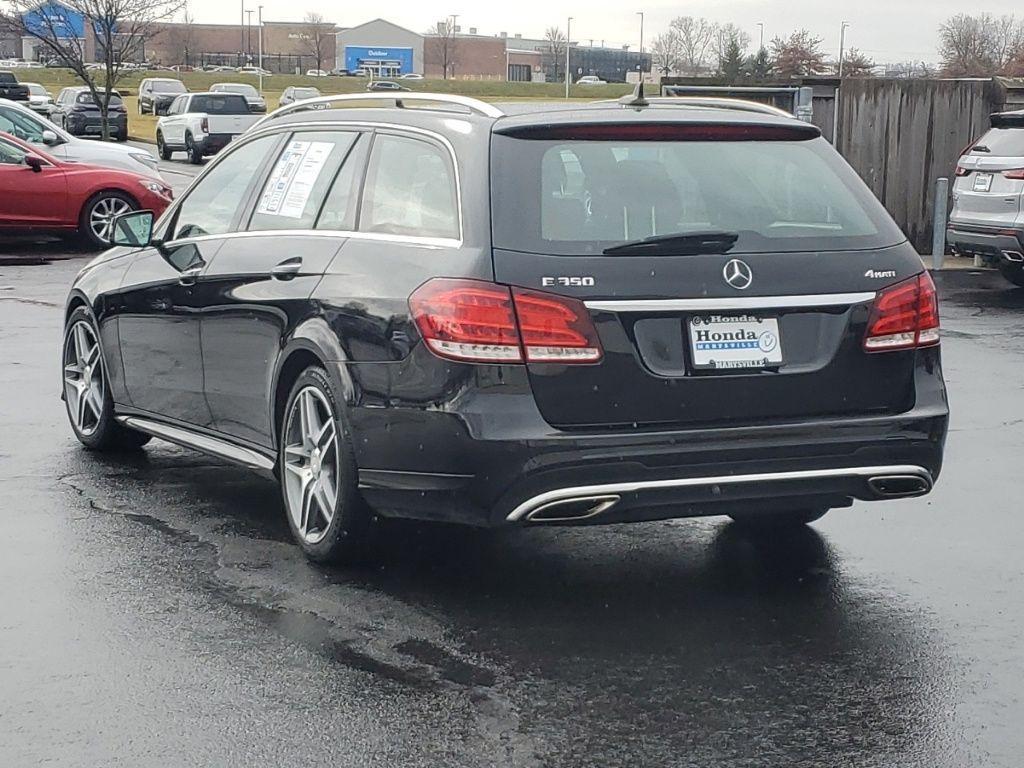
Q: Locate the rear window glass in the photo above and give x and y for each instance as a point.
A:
(7, 78)
(1002, 142)
(245, 90)
(86, 98)
(305, 93)
(580, 197)
(168, 86)
(223, 104)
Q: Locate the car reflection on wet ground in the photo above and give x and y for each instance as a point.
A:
(155, 611)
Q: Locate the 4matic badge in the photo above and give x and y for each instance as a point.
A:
(878, 274)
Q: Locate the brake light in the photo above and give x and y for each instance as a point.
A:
(204, 125)
(476, 321)
(1014, 173)
(904, 316)
(961, 171)
(555, 329)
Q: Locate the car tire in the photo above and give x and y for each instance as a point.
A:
(162, 149)
(86, 391)
(318, 475)
(1012, 272)
(122, 136)
(776, 519)
(102, 208)
(195, 153)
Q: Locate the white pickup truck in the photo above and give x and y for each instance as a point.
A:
(199, 124)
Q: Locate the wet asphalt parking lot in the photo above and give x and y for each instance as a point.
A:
(154, 612)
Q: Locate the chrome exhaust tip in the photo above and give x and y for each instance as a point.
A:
(572, 510)
(1014, 256)
(899, 486)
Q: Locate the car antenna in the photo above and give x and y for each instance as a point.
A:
(635, 99)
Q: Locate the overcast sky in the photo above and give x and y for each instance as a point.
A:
(887, 30)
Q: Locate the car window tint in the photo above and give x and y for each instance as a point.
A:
(210, 207)
(20, 125)
(339, 209)
(300, 179)
(410, 189)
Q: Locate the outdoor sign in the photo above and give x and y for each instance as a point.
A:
(355, 55)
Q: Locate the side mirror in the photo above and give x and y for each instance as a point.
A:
(50, 138)
(33, 162)
(133, 229)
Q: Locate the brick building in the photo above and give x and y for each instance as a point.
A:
(287, 46)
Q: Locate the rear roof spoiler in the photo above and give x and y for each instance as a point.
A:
(1007, 119)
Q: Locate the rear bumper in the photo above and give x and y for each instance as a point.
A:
(214, 142)
(494, 461)
(1004, 244)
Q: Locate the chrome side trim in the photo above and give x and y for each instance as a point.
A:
(739, 302)
(565, 494)
(204, 443)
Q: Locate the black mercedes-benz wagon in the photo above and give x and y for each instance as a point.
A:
(421, 306)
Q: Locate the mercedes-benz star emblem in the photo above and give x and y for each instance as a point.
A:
(738, 274)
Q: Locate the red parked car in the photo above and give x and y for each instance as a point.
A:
(37, 191)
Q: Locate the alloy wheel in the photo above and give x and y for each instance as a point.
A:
(311, 464)
(101, 217)
(84, 385)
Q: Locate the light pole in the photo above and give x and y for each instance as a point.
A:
(241, 46)
(248, 25)
(842, 46)
(568, 39)
(641, 15)
(259, 16)
(761, 45)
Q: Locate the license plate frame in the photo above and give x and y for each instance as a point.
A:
(734, 342)
(982, 182)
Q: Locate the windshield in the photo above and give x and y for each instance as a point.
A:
(305, 93)
(86, 98)
(220, 104)
(169, 86)
(245, 90)
(582, 197)
(37, 90)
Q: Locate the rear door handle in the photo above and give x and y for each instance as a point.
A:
(287, 269)
(189, 276)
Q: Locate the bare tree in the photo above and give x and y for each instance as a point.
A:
(443, 46)
(314, 39)
(799, 54)
(183, 36)
(666, 52)
(696, 36)
(980, 45)
(856, 64)
(910, 69)
(554, 51)
(118, 30)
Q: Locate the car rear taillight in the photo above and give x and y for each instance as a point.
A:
(904, 316)
(1014, 173)
(204, 125)
(961, 171)
(476, 321)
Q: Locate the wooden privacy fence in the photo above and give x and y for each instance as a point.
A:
(902, 135)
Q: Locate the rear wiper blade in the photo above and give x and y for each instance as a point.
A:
(678, 244)
(980, 148)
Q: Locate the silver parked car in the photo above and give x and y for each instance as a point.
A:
(22, 122)
(295, 93)
(988, 198)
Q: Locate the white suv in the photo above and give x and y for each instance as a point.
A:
(22, 123)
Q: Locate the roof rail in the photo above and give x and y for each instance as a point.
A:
(393, 99)
(715, 102)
